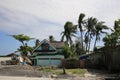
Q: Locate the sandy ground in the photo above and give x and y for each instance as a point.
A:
(19, 72)
(16, 72)
(22, 78)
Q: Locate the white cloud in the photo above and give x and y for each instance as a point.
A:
(40, 18)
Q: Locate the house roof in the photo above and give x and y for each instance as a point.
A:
(11, 54)
(57, 44)
(54, 44)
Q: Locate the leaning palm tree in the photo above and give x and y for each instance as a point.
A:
(99, 30)
(51, 38)
(80, 25)
(69, 31)
(90, 26)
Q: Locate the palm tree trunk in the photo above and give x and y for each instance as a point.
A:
(86, 47)
(89, 43)
(82, 39)
(95, 43)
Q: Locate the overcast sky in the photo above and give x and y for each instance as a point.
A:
(41, 18)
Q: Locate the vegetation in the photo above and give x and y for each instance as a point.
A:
(60, 71)
(69, 31)
(67, 51)
(89, 29)
(51, 38)
(86, 31)
(113, 39)
(22, 38)
(37, 42)
(80, 26)
(24, 49)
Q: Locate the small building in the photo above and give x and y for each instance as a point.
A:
(48, 53)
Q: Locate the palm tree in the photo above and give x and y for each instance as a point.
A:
(51, 38)
(113, 39)
(90, 26)
(69, 31)
(98, 31)
(80, 23)
(37, 42)
(79, 50)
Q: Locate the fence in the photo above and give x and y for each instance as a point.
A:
(72, 63)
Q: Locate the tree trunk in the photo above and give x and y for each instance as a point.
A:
(23, 43)
(95, 43)
(86, 47)
(89, 43)
(63, 67)
(82, 39)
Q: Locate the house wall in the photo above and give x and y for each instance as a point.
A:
(49, 60)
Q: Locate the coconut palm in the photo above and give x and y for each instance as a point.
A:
(69, 31)
(99, 30)
(80, 25)
(113, 39)
(51, 38)
(90, 26)
(79, 50)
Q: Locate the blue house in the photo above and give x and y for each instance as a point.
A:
(48, 53)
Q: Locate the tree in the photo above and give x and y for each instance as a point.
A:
(69, 31)
(24, 49)
(22, 38)
(110, 40)
(99, 30)
(51, 38)
(113, 39)
(80, 25)
(79, 49)
(90, 26)
(67, 51)
(37, 42)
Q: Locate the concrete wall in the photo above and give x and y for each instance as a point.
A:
(4, 59)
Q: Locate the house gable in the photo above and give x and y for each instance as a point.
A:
(44, 47)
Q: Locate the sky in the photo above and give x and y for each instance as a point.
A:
(41, 18)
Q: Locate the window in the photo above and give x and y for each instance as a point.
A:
(45, 46)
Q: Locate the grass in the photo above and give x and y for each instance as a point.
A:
(68, 71)
(76, 71)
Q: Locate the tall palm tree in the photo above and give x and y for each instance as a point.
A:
(37, 42)
(69, 31)
(113, 39)
(51, 38)
(78, 46)
(90, 26)
(98, 31)
(80, 25)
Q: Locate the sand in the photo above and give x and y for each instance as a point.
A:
(27, 72)
(22, 78)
